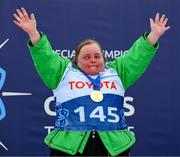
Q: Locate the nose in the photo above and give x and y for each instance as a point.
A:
(93, 60)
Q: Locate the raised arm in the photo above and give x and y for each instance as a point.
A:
(158, 28)
(27, 23)
(49, 65)
(133, 64)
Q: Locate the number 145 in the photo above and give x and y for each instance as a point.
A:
(98, 112)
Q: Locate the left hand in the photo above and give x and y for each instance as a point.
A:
(158, 28)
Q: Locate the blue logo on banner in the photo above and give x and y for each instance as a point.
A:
(2, 108)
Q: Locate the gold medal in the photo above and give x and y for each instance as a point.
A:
(96, 96)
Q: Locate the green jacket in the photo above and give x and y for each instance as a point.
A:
(50, 66)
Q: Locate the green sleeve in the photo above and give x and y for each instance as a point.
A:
(49, 65)
(133, 64)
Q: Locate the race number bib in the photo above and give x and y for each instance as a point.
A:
(84, 114)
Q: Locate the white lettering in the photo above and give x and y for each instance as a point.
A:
(117, 53)
(49, 128)
(66, 53)
(130, 128)
(47, 106)
(127, 105)
(108, 54)
(131, 109)
(111, 54)
(81, 113)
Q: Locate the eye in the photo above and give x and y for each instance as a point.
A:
(98, 57)
(86, 57)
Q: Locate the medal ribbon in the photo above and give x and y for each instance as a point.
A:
(95, 82)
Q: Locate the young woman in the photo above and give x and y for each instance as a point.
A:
(89, 91)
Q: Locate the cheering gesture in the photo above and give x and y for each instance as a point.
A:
(158, 28)
(27, 23)
(89, 66)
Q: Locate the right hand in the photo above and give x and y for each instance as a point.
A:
(27, 23)
(24, 21)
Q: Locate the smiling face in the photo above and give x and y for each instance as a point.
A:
(90, 59)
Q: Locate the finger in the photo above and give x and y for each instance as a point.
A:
(157, 17)
(162, 18)
(24, 12)
(17, 23)
(17, 17)
(167, 28)
(19, 13)
(151, 21)
(165, 21)
(33, 16)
